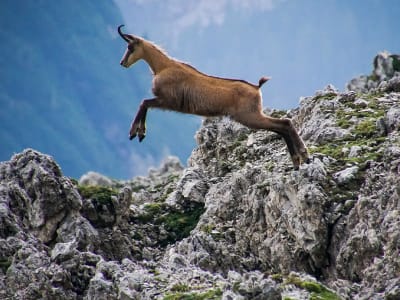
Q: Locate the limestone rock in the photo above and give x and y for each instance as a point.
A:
(237, 223)
(386, 66)
(346, 175)
(393, 118)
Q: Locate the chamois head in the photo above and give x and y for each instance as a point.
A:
(134, 51)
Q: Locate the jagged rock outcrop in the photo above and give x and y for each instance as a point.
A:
(237, 223)
(386, 66)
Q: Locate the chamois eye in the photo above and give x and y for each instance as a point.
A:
(131, 47)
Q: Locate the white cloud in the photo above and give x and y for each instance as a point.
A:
(260, 5)
(175, 16)
(141, 163)
(202, 13)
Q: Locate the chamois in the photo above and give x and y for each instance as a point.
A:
(180, 87)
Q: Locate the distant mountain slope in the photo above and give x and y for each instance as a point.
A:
(63, 92)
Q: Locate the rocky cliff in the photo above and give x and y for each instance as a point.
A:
(237, 223)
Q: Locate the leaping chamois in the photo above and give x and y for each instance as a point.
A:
(180, 87)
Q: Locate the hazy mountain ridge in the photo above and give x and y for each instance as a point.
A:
(48, 98)
(62, 90)
(237, 223)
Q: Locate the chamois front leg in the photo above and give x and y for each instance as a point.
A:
(138, 126)
(136, 123)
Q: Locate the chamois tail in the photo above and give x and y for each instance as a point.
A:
(263, 80)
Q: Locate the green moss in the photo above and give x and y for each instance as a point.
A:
(347, 114)
(365, 129)
(333, 150)
(269, 166)
(369, 151)
(394, 295)
(372, 95)
(74, 181)
(164, 188)
(373, 104)
(5, 263)
(312, 287)
(317, 290)
(238, 148)
(154, 271)
(373, 77)
(178, 224)
(278, 113)
(207, 228)
(341, 194)
(325, 294)
(295, 280)
(153, 208)
(327, 96)
(180, 287)
(395, 63)
(236, 286)
(343, 123)
(364, 134)
(225, 166)
(242, 136)
(342, 114)
(277, 277)
(100, 194)
(213, 294)
(151, 213)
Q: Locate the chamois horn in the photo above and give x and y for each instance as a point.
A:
(121, 34)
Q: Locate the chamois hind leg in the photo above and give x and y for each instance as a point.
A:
(284, 127)
(138, 126)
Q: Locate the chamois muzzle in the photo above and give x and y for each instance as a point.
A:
(121, 34)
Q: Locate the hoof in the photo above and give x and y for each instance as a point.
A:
(296, 161)
(141, 137)
(132, 136)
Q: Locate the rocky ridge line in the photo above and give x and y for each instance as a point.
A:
(237, 223)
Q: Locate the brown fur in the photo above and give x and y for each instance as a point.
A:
(180, 87)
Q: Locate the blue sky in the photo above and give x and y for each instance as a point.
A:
(302, 44)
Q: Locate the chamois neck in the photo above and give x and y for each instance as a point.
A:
(155, 57)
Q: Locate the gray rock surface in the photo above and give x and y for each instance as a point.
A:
(237, 223)
(385, 67)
